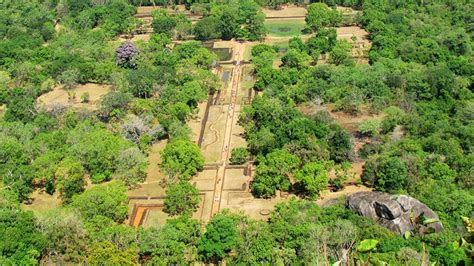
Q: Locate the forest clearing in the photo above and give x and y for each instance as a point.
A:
(80, 96)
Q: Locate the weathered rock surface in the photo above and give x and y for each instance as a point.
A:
(399, 213)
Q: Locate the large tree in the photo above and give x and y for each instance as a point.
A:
(220, 238)
(69, 178)
(107, 200)
(320, 15)
(181, 198)
(273, 172)
(107, 253)
(257, 245)
(21, 242)
(208, 28)
(313, 178)
(174, 243)
(229, 24)
(163, 22)
(66, 235)
(182, 159)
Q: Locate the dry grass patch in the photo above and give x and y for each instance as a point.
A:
(3, 108)
(237, 139)
(136, 37)
(348, 121)
(195, 123)
(214, 133)
(328, 196)
(155, 217)
(253, 207)
(60, 96)
(145, 11)
(348, 32)
(235, 179)
(42, 201)
(285, 11)
(351, 122)
(359, 39)
(154, 160)
(205, 180)
(155, 189)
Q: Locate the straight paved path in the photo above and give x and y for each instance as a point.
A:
(238, 56)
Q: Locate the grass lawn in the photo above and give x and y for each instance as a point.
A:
(156, 218)
(247, 81)
(285, 28)
(248, 52)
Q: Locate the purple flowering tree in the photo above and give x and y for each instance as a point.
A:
(125, 55)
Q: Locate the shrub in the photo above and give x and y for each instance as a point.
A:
(239, 156)
(369, 127)
(181, 198)
(85, 97)
(386, 173)
(182, 158)
(343, 173)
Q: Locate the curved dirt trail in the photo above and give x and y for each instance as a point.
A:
(215, 131)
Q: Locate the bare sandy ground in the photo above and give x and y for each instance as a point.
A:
(285, 11)
(348, 32)
(350, 122)
(60, 96)
(42, 201)
(195, 123)
(328, 196)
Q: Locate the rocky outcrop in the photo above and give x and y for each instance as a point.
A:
(399, 213)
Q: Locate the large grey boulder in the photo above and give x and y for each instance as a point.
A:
(399, 213)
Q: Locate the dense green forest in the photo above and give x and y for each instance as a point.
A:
(420, 78)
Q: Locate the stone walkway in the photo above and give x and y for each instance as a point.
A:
(237, 57)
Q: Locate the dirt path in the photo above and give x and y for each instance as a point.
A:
(219, 185)
(215, 131)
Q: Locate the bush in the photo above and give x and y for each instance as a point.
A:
(394, 116)
(100, 177)
(239, 156)
(85, 97)
(369, 127)
(108, 200)
(181, 198)
(113, 103)
(182, 159)
(207, 28)
(386, 173)
(340, 145)
(343, 173)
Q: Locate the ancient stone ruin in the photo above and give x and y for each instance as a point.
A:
(398, 213)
